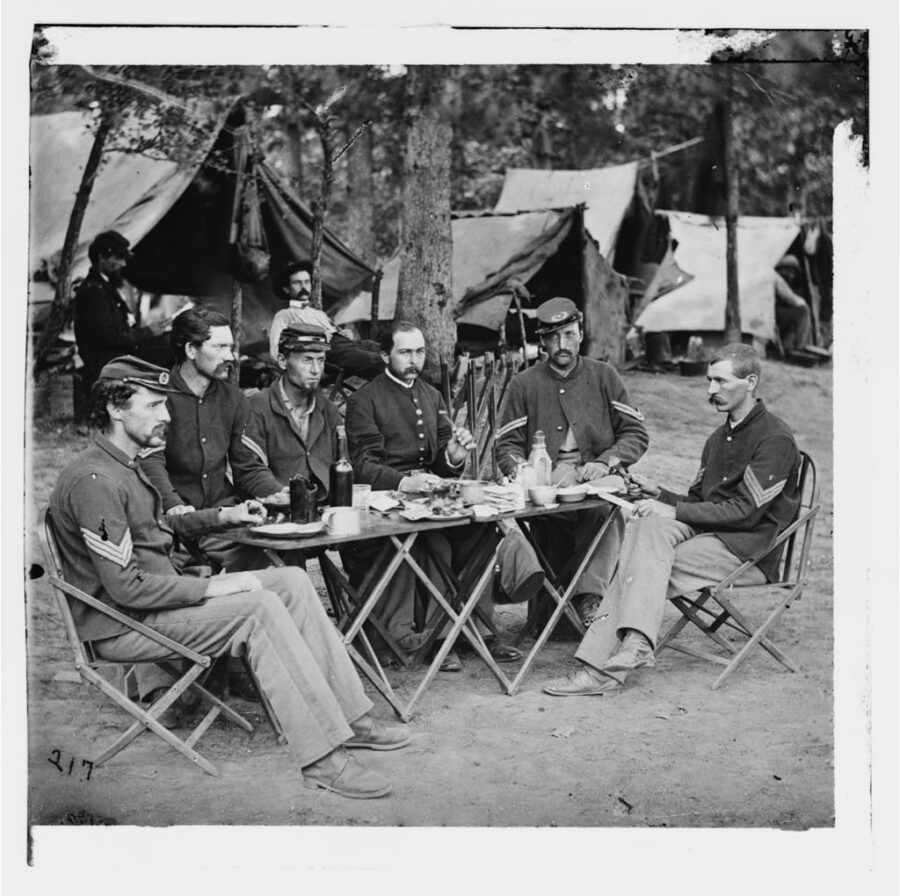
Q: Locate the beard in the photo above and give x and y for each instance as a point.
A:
(116, 279)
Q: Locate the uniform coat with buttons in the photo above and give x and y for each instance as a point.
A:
(392, 429)
(275, 437)
(592, 399)
(594, 402)
(102, 330)
(115, 545)
(206, 436)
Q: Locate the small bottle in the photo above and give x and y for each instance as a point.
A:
(540, 460)
(340, 475)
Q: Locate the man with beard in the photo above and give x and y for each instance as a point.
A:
(591, 427)
(292, 424)
(104, 326)
(294, 283)
(744, 495)
(116, 545)
(206, 437)
(400, 436)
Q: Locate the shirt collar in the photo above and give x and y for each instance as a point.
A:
(289, 405)
(754, 412)
(394, 379)
(296, 303)
(102, 442)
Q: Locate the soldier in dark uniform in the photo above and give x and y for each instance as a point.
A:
(104, 326)
(745, 493)
(116, 545)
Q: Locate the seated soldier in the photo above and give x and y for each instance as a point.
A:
(116, 545)
(292, 423)
(745, 494)
(400, 432)
(294, 283)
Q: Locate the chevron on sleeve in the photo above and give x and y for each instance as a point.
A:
(119, 554)
(699, 477)
(627, 410)
(759, 494)
(255, 448)
(513, 424)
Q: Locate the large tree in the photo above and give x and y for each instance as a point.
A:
(425, 288)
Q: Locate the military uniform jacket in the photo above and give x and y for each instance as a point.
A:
(592, 400)
(115, 541)
(747, 489)
(102, 330)
(206, 435)
(274, 437)
(392, 430)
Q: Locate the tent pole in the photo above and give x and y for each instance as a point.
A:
(376, 294)
(237, 310)
(732, 299)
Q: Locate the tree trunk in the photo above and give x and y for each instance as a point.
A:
(320, 207)
(732, 298)
(360, 227)
(237, 322)
(426, 247)
(60, 310)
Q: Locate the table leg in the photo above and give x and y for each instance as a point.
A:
(562, 604)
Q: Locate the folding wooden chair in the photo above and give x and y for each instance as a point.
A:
(88, 665)
(713, 608)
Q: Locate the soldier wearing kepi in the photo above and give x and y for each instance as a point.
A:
(292, 424)
(591, 427)
(116, 544)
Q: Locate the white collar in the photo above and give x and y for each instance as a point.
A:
(391, 376)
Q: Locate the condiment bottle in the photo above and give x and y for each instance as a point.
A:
(540, 460)
(340, 475)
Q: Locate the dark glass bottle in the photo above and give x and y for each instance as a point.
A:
(340, 478)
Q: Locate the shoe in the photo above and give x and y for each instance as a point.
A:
(340, 773)
(451, 663)
(583, 682)
(504, 653)
(412, 641)
(587, 606)
(170, 718)
(635, 652)
(370, 734)
(241, 684)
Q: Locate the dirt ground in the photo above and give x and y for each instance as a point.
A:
(667, 751)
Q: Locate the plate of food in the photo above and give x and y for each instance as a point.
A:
(422, 512)
(289, 530)
(613, 484)
(571, 494)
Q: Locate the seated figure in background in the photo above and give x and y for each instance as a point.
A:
(294, 283)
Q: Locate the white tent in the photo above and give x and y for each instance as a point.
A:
(605, 192)
(699, 305)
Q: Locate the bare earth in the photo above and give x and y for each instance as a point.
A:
(667, 752)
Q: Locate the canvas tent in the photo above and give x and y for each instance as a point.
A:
(547, 250)
(606, 193)
(698, 306)
(178, 218)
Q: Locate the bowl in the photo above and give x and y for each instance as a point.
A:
(541, 495)
(571, 494)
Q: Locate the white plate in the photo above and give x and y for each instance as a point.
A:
(289, 530)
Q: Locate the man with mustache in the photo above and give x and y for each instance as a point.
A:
(207, 435)
(591, 427)
(116, 545)
(399, 430)
(294, 282)
(745, 493)
(104, 325)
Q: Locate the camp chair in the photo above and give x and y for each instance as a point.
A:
(88, 665)
(713, 608)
